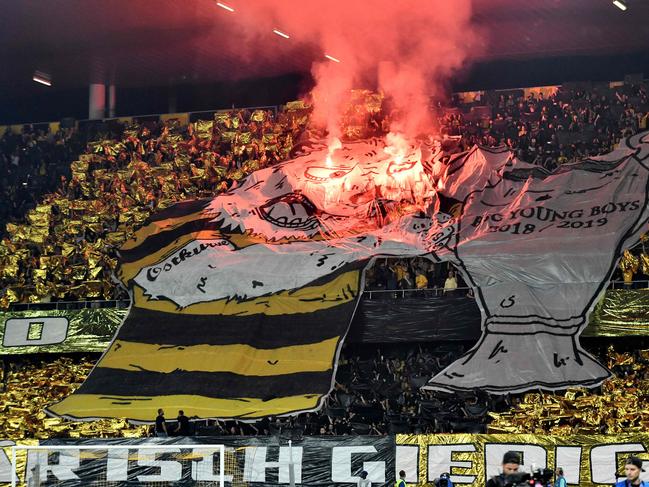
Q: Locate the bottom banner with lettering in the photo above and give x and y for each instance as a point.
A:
(318, 461)
(248, 461)
(587, 460)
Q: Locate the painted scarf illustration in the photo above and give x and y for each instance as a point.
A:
(242, 302)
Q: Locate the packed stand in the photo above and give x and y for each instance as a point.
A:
(31, 162)
(389, 278)
(617, 406)
(65, 248)
(550, 130)
(377, 392)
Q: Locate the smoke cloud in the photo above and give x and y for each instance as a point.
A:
(405, 48)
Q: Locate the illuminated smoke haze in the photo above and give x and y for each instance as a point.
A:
(407, 49)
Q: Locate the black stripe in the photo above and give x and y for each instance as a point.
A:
(160, 240)
(259, 330)
(225, 385)
(178, 210)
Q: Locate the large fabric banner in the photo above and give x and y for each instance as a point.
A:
(380, 319)
(58, 331)
(587, 460)
(249, 461)
(242, 302)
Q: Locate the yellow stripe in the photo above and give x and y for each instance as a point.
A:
(238, 359)
(145, 408)
(340, 290)
(160, 226)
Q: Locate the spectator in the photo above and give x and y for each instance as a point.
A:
(182, 428)
(161, 425)
(450, 285)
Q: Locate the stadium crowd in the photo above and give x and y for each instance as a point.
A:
(64, 246)
(30, 165)
(377, 392)
(73, 199)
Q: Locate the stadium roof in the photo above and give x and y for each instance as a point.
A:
(145, 42)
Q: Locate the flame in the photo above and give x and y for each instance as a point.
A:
(334, 144)
(397, 146)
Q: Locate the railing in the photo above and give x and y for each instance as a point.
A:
(401, 293)
(367, 293)
(633, 285)
(90, 121)
(68, 305)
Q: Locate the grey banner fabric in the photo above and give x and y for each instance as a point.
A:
(259, 461)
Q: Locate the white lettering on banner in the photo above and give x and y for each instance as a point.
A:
(170, 470)
(50, 330)
(117, 465)
(569, 459)
(204, 468)
(407, 459)
(68, 461)
(603, 460)
(5, 463)
(530, 455)
(440, 460)
(256, 464)
(341, 465)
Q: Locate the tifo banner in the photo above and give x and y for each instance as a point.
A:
(242, 302)
(446, 317)
(258, 461)
(380, 319)
(58, 331)
(587, 460)
(415, 318)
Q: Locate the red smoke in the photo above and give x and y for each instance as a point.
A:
(408, 49)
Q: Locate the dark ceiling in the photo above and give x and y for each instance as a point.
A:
(148, 45)
(145, 42)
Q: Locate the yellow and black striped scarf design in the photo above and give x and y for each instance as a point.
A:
(241, 302)
(228, 358)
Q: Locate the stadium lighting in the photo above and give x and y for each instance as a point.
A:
(42, 78)
(281, 34)
(225, 7)
(620, 4)
(331, 58)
